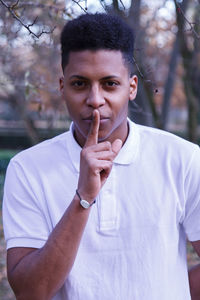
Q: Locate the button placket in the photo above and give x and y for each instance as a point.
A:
(107, 205)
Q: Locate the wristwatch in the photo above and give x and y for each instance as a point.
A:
(84, 203)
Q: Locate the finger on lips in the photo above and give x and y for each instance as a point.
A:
(92, 138)
(101, 151)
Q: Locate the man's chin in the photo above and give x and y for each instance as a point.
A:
(104, 137)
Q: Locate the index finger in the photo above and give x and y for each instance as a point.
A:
(92, 138)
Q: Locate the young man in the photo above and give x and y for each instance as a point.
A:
(102, 211)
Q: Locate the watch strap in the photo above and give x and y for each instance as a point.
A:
(84, 203)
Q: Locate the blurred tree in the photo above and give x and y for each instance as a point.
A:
(166, 49)
(190, 52)
(183, 47)
(30, 61)
(140, 17)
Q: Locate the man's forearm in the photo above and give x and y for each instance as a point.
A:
(194, 279)
(38, 274)
(41, 273)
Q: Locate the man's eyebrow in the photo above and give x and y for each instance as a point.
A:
(85, 78)
(109, 77)
(78, 76)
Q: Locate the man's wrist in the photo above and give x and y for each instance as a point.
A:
(85, 203)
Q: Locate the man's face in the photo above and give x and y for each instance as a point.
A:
(98, 80)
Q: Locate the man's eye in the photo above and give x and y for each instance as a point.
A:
(78, 83)
(111, 83)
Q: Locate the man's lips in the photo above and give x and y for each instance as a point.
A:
(91, 117)
(103, 120)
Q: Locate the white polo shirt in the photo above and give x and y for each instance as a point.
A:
(134, 244)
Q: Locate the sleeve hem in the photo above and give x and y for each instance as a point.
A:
(193, 236)
(25, 242)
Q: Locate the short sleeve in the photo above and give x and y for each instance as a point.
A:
(23, 221)
(191, 222)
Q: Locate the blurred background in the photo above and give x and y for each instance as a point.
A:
(167, 62)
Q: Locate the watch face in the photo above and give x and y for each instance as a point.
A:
(85, 204)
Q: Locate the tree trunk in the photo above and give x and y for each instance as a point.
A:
(142, 110)
(169, 84)
(190, 64)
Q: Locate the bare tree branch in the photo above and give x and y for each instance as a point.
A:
(191, 24)
(122, 4)
(86, 4)
(15, 4)
(21, 4)
(138, 68)
(11, 8)
(77, 2)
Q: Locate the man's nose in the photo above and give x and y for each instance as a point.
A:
(95, 97)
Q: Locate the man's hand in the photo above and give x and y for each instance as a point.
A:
(96, 161)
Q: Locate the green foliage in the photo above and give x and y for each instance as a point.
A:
(5, 156)
(2, 177)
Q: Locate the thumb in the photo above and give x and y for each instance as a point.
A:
(116, 146)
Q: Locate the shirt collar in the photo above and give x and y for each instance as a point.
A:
(126, 156)
(130, 149)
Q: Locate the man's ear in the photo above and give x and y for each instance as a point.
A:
(133, 87)
(61, 82)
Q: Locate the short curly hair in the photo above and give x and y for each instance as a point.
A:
(95, 32)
